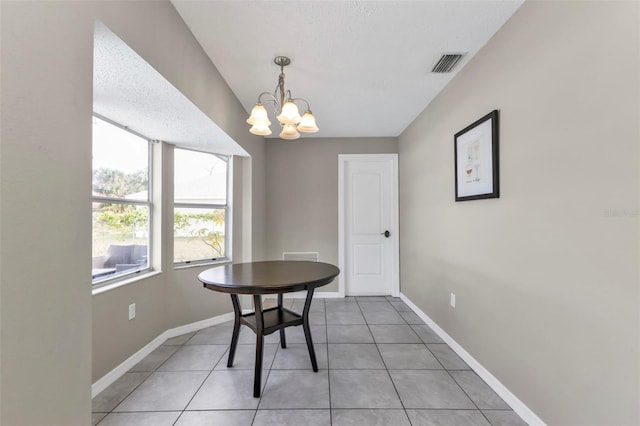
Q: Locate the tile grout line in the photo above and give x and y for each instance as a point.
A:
(385, 364)
(456, 382)
(443, 369)
(326, 330)
(278, 348)
(449, 374)
(266, 379)
(201, 384)
(404, 409)
(135, 387)
(467, 395)
(328, 366)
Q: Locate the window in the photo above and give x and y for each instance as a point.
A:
(200, 207)
(121, 206)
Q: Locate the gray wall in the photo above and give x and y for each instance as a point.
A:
(50, 323)
(302, 189)
(546, 277)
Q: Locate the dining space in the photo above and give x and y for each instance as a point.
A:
(378, 363)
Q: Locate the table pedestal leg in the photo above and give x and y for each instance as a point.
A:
(257, 378)
(283, 340)
(307, 330)
(236, 329)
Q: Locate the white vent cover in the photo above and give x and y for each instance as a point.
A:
(447, 62)
(311, 256)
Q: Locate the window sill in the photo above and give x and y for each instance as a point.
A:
(195, 265)
(120, 283)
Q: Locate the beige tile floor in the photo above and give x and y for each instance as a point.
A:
(379, 364)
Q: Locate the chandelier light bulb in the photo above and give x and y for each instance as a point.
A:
(289, 132)
(289, 114)
(260, 130)
(259, 116)
(308, 123)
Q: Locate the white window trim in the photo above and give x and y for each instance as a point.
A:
(226, 259)
(124, 278)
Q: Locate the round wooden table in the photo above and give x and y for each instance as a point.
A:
(270, 277)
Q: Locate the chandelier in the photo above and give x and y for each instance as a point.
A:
(286, 110)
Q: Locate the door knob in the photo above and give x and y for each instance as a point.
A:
(386, 234)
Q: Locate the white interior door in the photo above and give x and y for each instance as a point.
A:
(369, 224)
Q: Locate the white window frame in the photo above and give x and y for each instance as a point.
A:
(126, 275)
(227, 216)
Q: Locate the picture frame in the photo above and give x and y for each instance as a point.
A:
(476, 159)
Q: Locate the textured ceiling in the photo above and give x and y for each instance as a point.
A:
(362, 65)
(127, 90)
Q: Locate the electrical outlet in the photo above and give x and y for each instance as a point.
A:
(132, 311)
(453, 300)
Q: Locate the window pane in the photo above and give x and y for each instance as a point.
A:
(198, 234)
(120, 239)
(120, 163)
(199, 178)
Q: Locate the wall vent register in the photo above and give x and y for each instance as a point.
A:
(447, 62)
(310, 256)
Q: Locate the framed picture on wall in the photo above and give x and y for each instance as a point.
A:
(476, 159)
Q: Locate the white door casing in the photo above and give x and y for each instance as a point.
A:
(368, 206)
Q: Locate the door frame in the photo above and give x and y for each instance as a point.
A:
(343, 159)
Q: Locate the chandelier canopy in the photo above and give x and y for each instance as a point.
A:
(286, 110)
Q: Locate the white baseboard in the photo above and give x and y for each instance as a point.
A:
(327, 295)
(105, 381)
(199, 325)
(502, 391)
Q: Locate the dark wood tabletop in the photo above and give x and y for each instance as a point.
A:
(268, 277)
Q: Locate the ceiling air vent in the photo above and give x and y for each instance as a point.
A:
(447, 62)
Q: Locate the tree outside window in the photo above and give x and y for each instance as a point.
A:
(200, 206)
(121, 202)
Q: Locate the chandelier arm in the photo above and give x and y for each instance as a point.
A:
(274, 99)
(303, 100)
